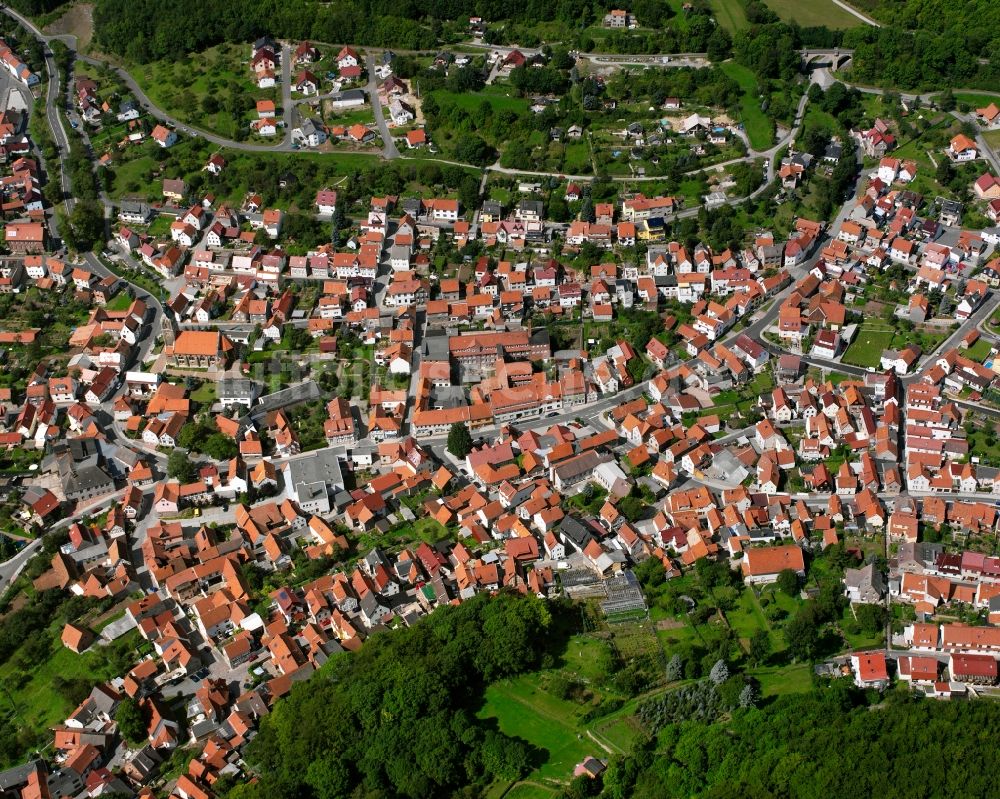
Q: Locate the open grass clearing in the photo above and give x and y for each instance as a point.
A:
(748, 617)
(524, 710)
(576, 158)
(31, 693)
(992, 137)
(866, 349)
(758, 127)
(730, 14)
(581, 658)
(781, 680)
(358, 116)
(816, 117)
(189, 88)
(680, 19)
(979, 351)
(205, 393)
(527, 790)
(977, 100)
(814, 13)
(621, 731)
(120, 302)
(500, 98)
(988, 453)
(160, 226)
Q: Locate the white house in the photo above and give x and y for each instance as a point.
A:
(326, 202)
(888, 169)
(962, 148)
(399, 113)
(265, 127)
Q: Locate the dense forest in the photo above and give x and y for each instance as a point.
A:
(33, 7)
(824, 745)
(144, 30)
(942, 44)
(398, 717)
(923, 59)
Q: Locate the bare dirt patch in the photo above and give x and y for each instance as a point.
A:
(79, 21)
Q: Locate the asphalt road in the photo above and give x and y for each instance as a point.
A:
(10, 569)
(389, 149)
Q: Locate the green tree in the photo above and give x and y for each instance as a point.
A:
(473, 150)
(459, 440)
(720, 46)
(219, 447)
(944, 172)
(759, 648)
(802, 635)
(389, 719)
(180, 467)
(505, 758)
(871, 618)
(131, 721)
(84, 226)
(788, 582)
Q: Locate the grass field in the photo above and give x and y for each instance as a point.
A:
(181, 86)
(526, 707)
(430, 530)
(360, 116)
(160, 226)
(758, 127)
(729, 14)
(137, 177)
(988, 454)
(205, 393)
(745, 618)
(500, 98)
(860, 640)
(992, 138)
(727, 403)
(977, 100)
(679, 19)
(526, 790)
(866, 349)
(807, 13)
(119, 303)
(576, 158)
(816, 117)
(979, 350)
(38, 704)
(838, 377)
(523, 710)
(130, 178)
(619, 729)
(780, 680)
(812, 13)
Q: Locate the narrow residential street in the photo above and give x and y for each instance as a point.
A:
(389, 149)
(287, 106)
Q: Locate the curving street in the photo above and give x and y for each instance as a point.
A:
(390, 150)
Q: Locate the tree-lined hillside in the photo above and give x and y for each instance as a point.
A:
(823, 745)
(398, 718)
